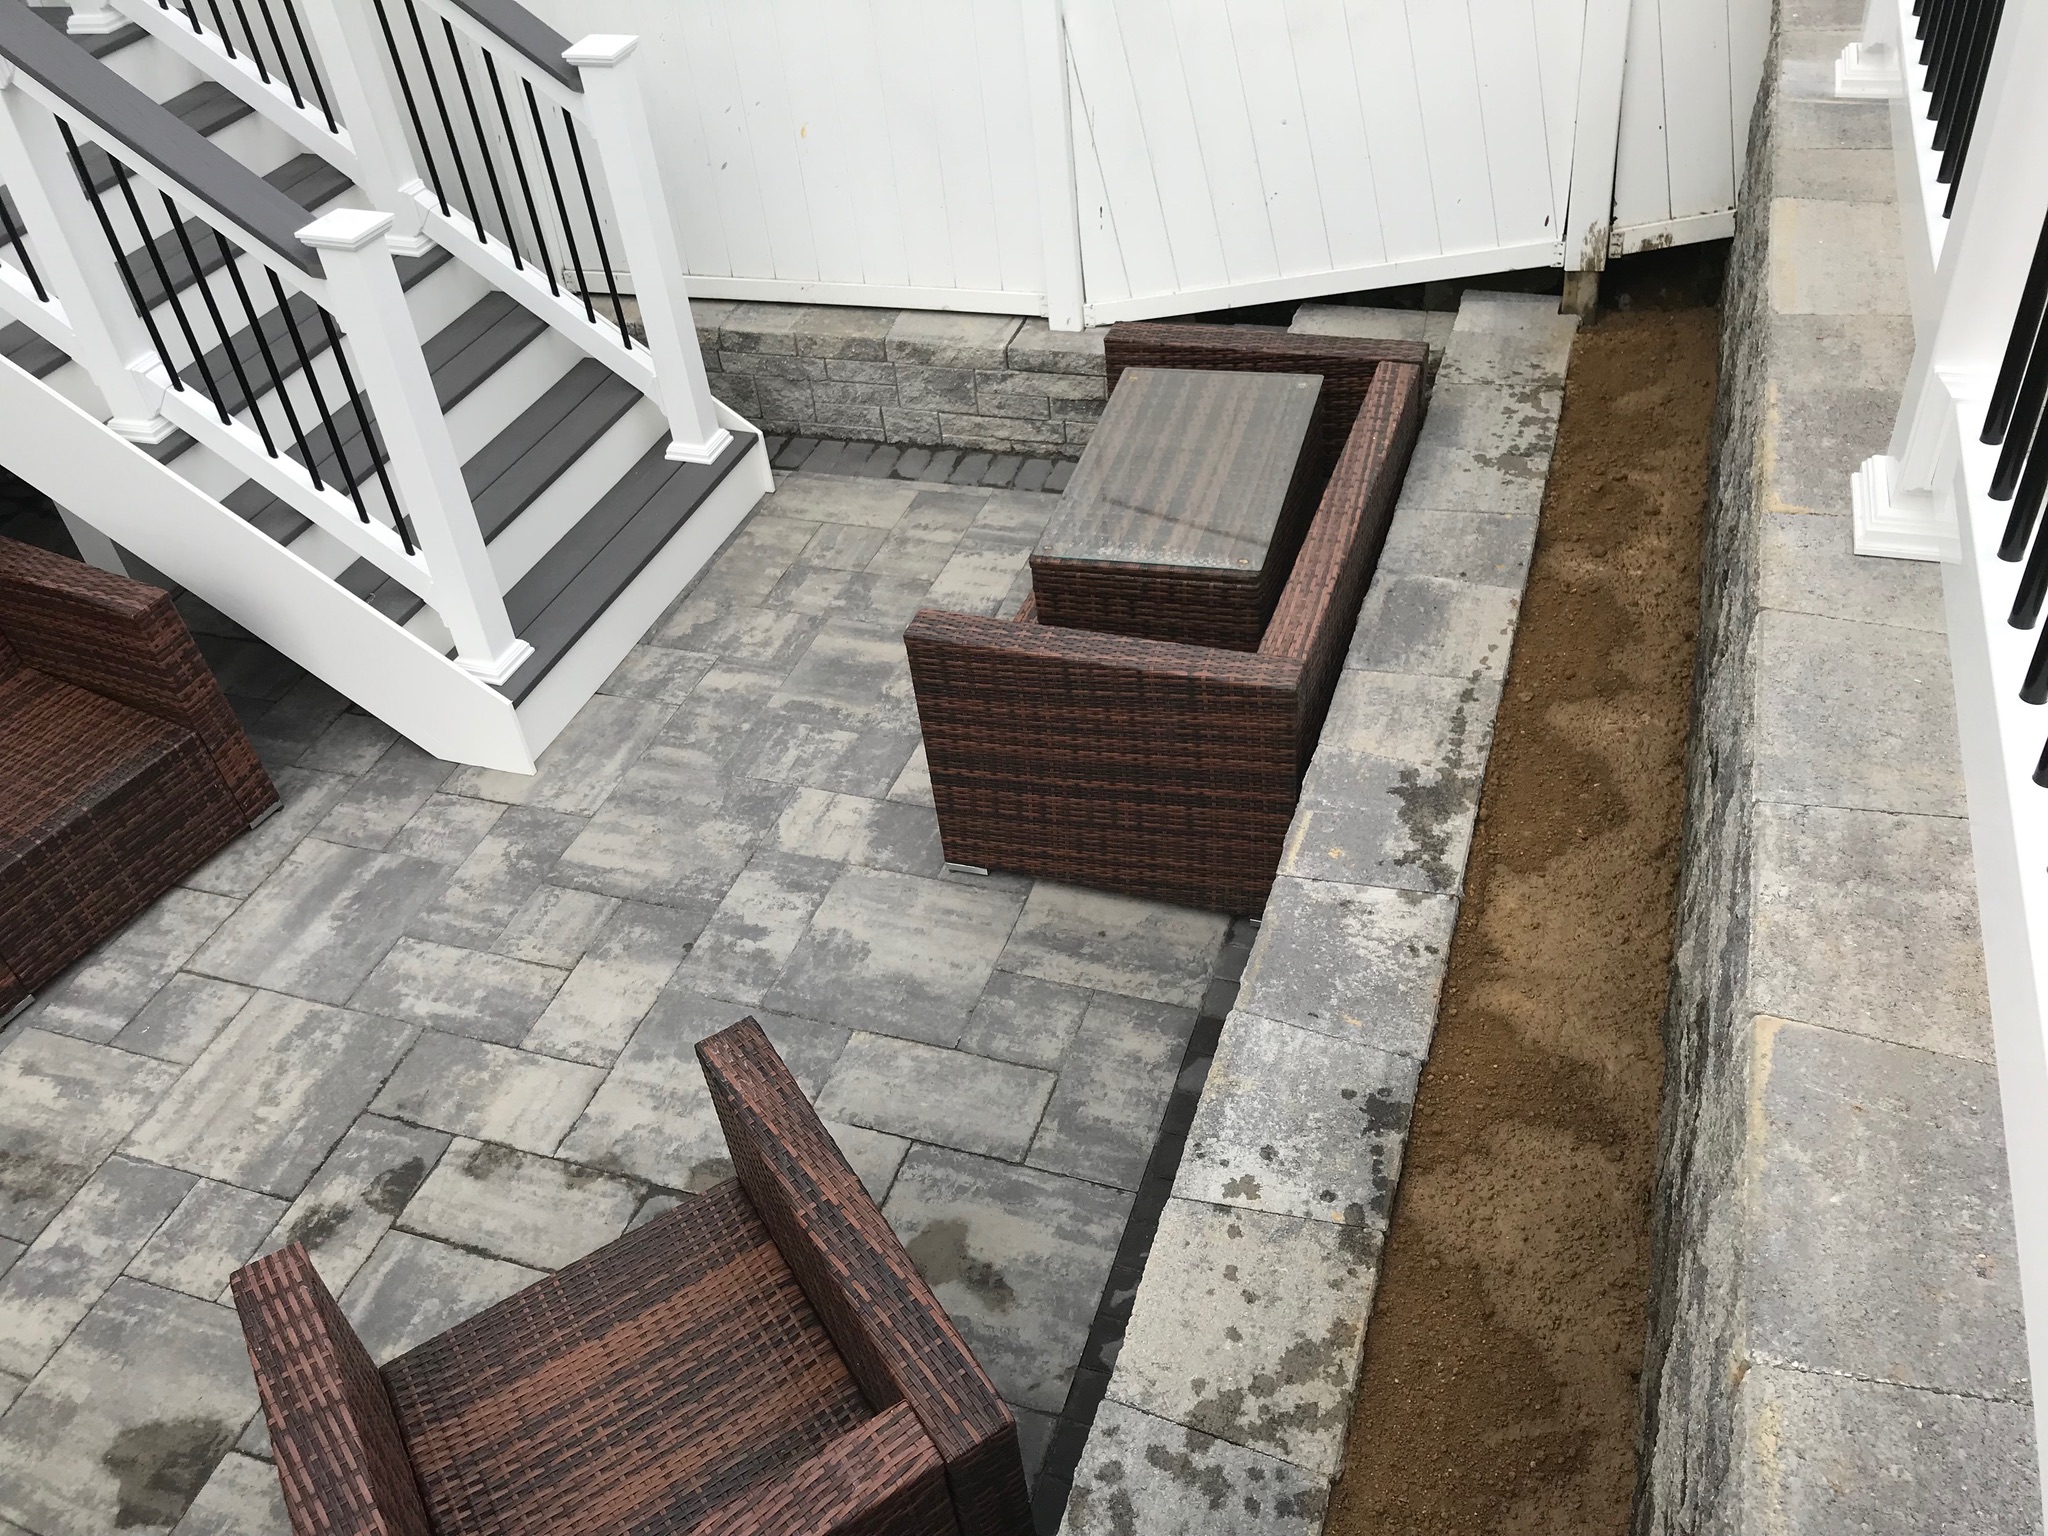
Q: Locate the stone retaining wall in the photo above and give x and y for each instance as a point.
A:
(1836, 1338)
(1232, 1390)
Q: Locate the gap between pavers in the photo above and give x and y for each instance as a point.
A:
(1231, 1395)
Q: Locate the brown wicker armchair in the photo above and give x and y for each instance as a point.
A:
(122, 768)
(763, 1359)
(1151, 768)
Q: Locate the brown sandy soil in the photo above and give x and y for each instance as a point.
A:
(1500, 1385)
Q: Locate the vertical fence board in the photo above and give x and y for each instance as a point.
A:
(1696, 97)
(1390, 100)
(1268, 61)
(1504, 55)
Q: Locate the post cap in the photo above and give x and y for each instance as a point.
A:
(600, 50)
(345, 229)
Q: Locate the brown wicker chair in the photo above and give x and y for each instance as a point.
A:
(762, 1359)
(1151, 768)
(122, 768)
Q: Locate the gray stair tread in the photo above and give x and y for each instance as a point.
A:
(549, 435)
(477, 343)
(28, 351)
(99, 46)
(566, 593)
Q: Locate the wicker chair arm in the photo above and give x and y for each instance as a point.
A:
(119, 638)
(883, 1479)
(340, 1455)
(895, 1337)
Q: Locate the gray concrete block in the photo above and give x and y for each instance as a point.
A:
(1113, 1083)
(1827, 1454)
(1483, 449)
(935, 389)
(614, 984)
(1834, 258)
(272, 1093)
(1115, 944)
(488, 997)
(1357, 320)
(581, 765)
(357, 1194)
(1022, 1293)
(901, 954)
(305, 797)
(945, 340)
(1511, 361)
(978, 576)
(709, 316)
(446, 829)
(1434, 626)
(1883, 1243)
(1025, 1020)
(930, 1094)
(852, 669)
(851, 371)
(754, 637)
(1867, 922)
(10, 1250)
(1299, 1123)
(999, 433)
(352, 745)
(1483, 547)
(674, 832)
(319, 925)
(1146, 1476)
(555, 926)
(1802, 353)
(511, 1205)
(843, 331)
(1818, 439)
(488, 1092)
(750, 938)
(241, 1498)
(123, 1426)
(50, 1287)
(842, 547)
(902, 424)
(657, 672)
(851, 829)
(96, 997)
(1250, 1327)
(1856, 715)
(873, 1156)
(1036, 347)
(414, 1288)
(212, 1233)
(1360, 963)
(182, 1019)
(913, 786)
(1859, 176)
(761, 328)
(385, 798)
(1392, 794)
(1807, 564)
(490, 887)
(69, 1103)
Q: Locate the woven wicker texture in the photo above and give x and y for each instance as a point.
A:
(678, 1380)
(1150, 768)
(118, 781)
(891, 1329)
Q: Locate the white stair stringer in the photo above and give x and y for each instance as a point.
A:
(267, 589)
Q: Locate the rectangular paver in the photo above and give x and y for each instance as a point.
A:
(491, 1092)
(948, 1097)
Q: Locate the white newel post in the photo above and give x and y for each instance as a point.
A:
(1869, 68)
(647, 229)
(109, 339)
(351, 45)
(363, 293)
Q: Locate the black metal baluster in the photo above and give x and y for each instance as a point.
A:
(283, 395)
(121, 178)
(483, 146)
(249, 39)
(597, 230)
(291, 10)
(291, 326)
(284, 60)
(355, 396)
(1941, 79)
(412, 105)
(2034, 687)
(2025, 341)
(120, 257)
(193, 17)
(2027, 494)
(1973, 101)
(14, 238)
(213, 388)
(540, 243)
(447, 122)
(221, 28)
(227, 341)
(547, 158)
(2026, 602)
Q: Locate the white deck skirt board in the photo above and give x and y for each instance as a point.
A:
(1627, 239)
(1223, 151)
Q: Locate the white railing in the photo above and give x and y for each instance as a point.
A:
(1969, 120)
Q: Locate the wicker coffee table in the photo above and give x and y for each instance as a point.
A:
(1185, 512)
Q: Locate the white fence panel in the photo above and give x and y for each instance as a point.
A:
(1687, 95)
(842, 151)
(1235, 151)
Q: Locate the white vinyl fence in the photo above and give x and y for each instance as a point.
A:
(1096, 160)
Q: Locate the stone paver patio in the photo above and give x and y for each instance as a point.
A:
(437, 1022)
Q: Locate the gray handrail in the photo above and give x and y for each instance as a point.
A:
(122, 118)
(525, 34)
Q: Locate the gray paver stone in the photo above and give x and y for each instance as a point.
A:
(1025, 1020)
(749, 940)
(1114, 1080)
(357, 1194)
(385, 798)
(1434, 626)
(462, 991)
(241, 1498)
(1490, 548)
(921, 1091)
(98, 996)
(1115, 944)
(213, 1232)
(414, 1288)
(69, 1103)
(1144, 1476)
(531, 1210)
(491, 886)
(614, 985)
(490, 1092)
